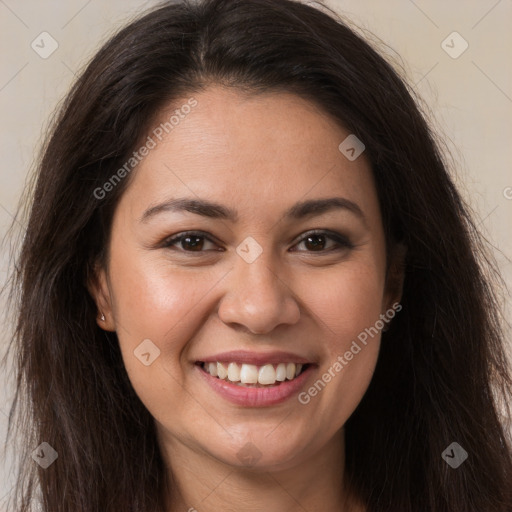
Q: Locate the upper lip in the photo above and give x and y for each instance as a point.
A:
(256, 358)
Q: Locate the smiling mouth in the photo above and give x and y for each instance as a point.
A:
(253, 376)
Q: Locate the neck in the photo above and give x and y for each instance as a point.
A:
(199, 482)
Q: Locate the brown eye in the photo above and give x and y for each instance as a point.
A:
(189, 242)
(324, 241)
(315, 242)
(194, 243)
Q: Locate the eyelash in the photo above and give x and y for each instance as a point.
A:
(343, 242)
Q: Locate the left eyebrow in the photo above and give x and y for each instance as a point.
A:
(300, 210)
(320, 206)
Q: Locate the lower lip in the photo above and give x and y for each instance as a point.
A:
(256, 397)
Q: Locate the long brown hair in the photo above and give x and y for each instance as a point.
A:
(442, 372)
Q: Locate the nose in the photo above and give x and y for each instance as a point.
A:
(257, 298)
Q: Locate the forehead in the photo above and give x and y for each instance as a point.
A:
(249, 150)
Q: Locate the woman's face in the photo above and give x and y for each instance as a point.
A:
(251, 288)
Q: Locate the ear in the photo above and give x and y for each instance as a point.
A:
(395, 275)
(98, 287)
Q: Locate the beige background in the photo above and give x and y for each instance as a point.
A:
(470, 96)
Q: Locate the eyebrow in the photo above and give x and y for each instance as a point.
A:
(300, 210)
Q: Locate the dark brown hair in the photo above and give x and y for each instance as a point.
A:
(442, 371)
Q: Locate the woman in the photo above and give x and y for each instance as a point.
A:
(249, 283)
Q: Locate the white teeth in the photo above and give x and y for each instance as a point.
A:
(290, 371)
(233, 372)
(222, 371)
(248, 374)
(212, 369)
(281, 372)
(266, 375)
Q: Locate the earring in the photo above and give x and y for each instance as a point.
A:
(102, 317)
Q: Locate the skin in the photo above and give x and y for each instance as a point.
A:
(257, 154)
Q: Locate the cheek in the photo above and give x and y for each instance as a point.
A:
(154, 300)
(348, 305)
(346, 300)
(161, 304)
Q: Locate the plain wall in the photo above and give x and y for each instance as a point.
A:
(470, 96)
